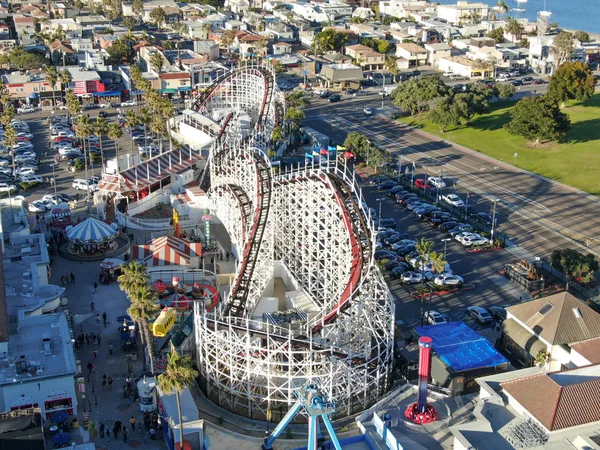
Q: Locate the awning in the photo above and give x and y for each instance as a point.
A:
(151, 171)
(184, 88)
(522, 337)
(136, 92)
(167, 91)
(108, 94)
(34, 95)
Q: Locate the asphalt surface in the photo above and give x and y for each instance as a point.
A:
(537, 214)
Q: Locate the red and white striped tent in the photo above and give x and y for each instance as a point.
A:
(167, 251)
(150, 172)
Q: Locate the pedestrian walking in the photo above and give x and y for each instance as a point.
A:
(152, 433)
(87, 339)
(99, 339)
(94, 354)
(117, 428)
(110, 348)
(101, 428)
(125, 435)
(97, 317)
(90, 367)
(140, 427)
(110, 382)
(132, 422)
(104, 318)
(104, 384)
(92, 306)
(72, 278)
(62, 280)
(227, 255)
(96, 290)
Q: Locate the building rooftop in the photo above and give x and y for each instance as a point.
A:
(41, 348)
(86, 75)
(460, 347)
(589, 349)
(558, 319)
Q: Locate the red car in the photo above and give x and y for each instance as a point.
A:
(421, 184)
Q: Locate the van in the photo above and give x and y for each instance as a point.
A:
(455, 76)
(164, 322)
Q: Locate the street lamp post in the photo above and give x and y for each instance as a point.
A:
(379, 200)
(493, 221)
(54, 178)
(445, 241)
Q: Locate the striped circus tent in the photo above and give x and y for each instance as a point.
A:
(92, 231)
(168, 251)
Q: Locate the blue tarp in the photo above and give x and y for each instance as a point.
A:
(460, 347)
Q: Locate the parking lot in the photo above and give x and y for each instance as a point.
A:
(480, 270)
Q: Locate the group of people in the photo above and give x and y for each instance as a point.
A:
(67, 279)
(88, 339)
(120, 427)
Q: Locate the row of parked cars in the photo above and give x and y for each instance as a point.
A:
(22, 155)
(68, 147)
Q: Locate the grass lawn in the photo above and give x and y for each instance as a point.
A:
(574, 161)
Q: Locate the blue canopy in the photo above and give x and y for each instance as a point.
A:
(61, 438)
(59, 417)
(92, 231)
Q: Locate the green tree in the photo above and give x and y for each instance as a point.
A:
(295, 99)
(391, 65)
(417, 94)
(114, 133)
(445, 114)
(157, 61)
(83, 130)
(227, 39)
(329, 40)
(502, 7)
(514, 27)
(538, 119)
(562, 47)
(467, 104)
(128, 22)
(357, 143)
(178, 375)
(295, 117)
(119, 52)
(497, 34)
(19, 59)
(576, 266)
(100, 128)
(357, 20)
(137, 7)
(582, 36)
(383, 46)
(572, 81)
(158, 16)
(51, 76)
(144, 308)
(64, 76)
(72, 102)
(505, 90)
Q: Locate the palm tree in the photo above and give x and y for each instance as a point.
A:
(64, 76)
(514, 28)
(159, 127)
(10, 140)
(157, 62)
(73, 104)
(178, 375)
(502, 7)
(143, 308)
(83, 130)
(100, 130)
(295, 99)
(134, 275)
(227, 39)
(51, 75)
(131, 120)
(114, 133)
(424, 248)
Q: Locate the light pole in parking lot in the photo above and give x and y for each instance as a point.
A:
(445, 241)
(493, 221)
(54, 177)
(379, 200)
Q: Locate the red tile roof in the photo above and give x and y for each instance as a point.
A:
(174, 76)
(557, 406)
(589, 349)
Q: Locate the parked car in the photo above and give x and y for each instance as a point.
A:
(460, 228)
(128, 103)
(402, 199)
(387, 185)
(480, 314)
(25, 110)
(411, 277)
(538, 81)
(434, 318)
(56, 199)
(448, 280)
(395, 190)
(324, 94)
(31, 179)
(498, 313)
(368, 111)
(475, 240)
(421, 184)
(436, 182)
(482, 217)
(78, 184)
(386, 223)
(380, 255)
(334, 98)
(5, 187)
(453, 200)
(445, 226)
(461, 237)
(406, 250)
(398, 270)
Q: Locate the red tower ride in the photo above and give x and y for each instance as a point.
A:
(421, 412)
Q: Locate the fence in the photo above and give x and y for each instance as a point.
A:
(582, 291)
(520, 277)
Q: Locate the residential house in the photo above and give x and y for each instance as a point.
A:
(172, 14)
(208, 48)
(62, 10)
(61, 53)
(4, 32)
(36, 11)
(437, 51)
(541, 58)
(532, 408)
(104, 41)
(82, 45)
(400, 37)
(205, 74)
(197, 30)
(505, 57)
(249, 44)
(465, 67)
(193, 11)
(25, 29)
(413, 53)
(365, 30)
(67, 25)
(281, 48)
(340, 76)
(363, 13)
(145, 54)
(366, 57)
(215, 20)
(175, 82)
(238, 6)
(281, 32)
(322, 12)
(306, 34)
(463, 11)
(236, 25)
(551, 324)
(403, 9)
(270, 5)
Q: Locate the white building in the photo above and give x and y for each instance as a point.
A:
(462, 11)
(404, 8)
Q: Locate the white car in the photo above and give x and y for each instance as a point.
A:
(480, 314)
(24, 171)
(78, 184)
(434, 318)
(39, 206)
(368, 111)
(411, 277)
(129, 103)
(55, 199)
(24, 134)
(5, 187)
(465, 234)
(148, 149)
(436, 182)
(447, 74)
(25, 110)
(31, 179)
(453, 200)
(448, 280)
(475, 241)
(25, 156)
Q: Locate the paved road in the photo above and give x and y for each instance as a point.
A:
(538, 215)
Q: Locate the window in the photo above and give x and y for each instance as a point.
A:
(43, 88)
(35, 89)
(182, 82)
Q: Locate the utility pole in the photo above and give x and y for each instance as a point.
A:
(493, 221)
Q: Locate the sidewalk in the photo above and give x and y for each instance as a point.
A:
(109, 405)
